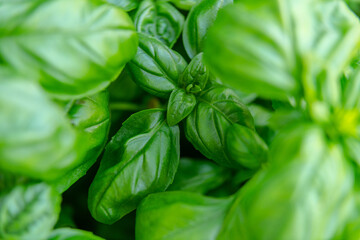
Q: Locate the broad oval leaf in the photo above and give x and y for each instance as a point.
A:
(156, 68)
(73, 48)
(266, 47)
(200, 176)
(91, 117)
(73, 234)
(160, 20)
(141, 158)
(197, 23)
(180, 105)
(29, 212)
(180, 215)
(36, 138)
(217, 109)
(245, 146)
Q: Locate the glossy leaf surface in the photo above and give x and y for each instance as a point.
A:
(217, 109)
(180, 106)
(156, 68)
(160, 20)
(141, 158)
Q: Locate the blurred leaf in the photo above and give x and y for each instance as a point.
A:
(127, 5)
(36, 139)
(180, 215)
(261, 115)
(29, 212)
(73, 48)
(279, 48)
(91, 117)
(304, 193)
(195, 175)
(197, 23)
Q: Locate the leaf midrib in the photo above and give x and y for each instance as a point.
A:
(154, 131)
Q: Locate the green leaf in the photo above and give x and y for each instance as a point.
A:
(126, 5)
(141, 158)
(184, 4)
(36, 139)
(91, 117)
(266, 47)
(197, 23)
(351, 231)
(316, 195)
(261, 115)
(195, 76)
(352, 86)
(180, 215)
(195, 175)
(156, 68)
(72, 48)
(180, 105)
(352, 148)
(354, 5)
(73, 234)
(304, 193)
(245, 146)
(29, 212)
(160, 20)
(217, 109)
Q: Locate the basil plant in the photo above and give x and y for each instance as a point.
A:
(179, 120)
